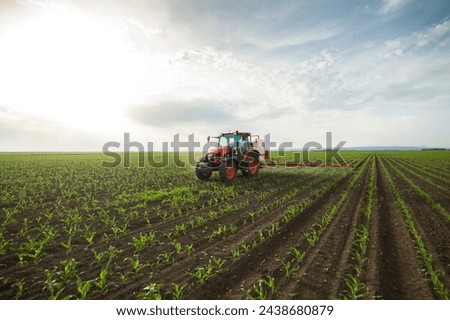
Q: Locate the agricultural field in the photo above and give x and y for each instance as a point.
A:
(378, 229)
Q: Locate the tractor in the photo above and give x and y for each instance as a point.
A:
(232, 151)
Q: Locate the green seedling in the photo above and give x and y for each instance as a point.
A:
(298, 255)
(98, 256)
(151, 292)
(177, 290)
(83, 287)
(203, 273)
(218, 262)
(286, 267)
(235, 254)
(178, 247)
(165, 257)
(136, 264)
(189, 249)
(20, 284)
(355, 288)
(70, 268)
(100, 282)
(54, 287)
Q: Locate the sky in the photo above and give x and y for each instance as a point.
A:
(75, 75)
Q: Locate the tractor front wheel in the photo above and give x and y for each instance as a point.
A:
(203, 175)
(227, 171)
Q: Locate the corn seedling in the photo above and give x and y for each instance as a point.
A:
(54, 287)
(100, 282)
(135, 264)
(123, 277)
(178, 247)
(245, 247)
(169, 235)
(20, 284)
(298, 255)
(180, 229)
(151, 292)
(355, 288)
(83, 287)
(260, 292)
(142, 241)
(67, 244)
(113, 252)
(202, 273)
(98, 256)
(3, 245)
(235, 254)
(270, 283)
(24, 231)
(220, 231)
(189, 248)
(312, 237)
(119, 230)
(261, 236)
(48, 232)
(272, 229)
(219, 262)
(286, 267)
(165, 257)
(89, 236)
(177, 290)
(70, 268)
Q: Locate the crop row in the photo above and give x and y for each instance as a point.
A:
(432, 273)
(429, 199)
(356, 288)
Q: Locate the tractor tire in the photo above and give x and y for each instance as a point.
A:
(227, 171)
(203, 175)
(253, 166)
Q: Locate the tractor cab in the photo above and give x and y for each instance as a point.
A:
(236, 141)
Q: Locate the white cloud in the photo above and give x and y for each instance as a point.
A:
(433, 35)
(390, 6)
(147, 31)
(302, 37)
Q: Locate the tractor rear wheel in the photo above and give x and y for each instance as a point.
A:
(227, 171)
(253, 165)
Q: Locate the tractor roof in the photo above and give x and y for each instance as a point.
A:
(239, 133)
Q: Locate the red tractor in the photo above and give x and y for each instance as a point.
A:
(233, 151)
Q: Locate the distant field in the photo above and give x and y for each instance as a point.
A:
(72, 229)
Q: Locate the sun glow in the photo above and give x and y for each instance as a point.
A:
(67, 66)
